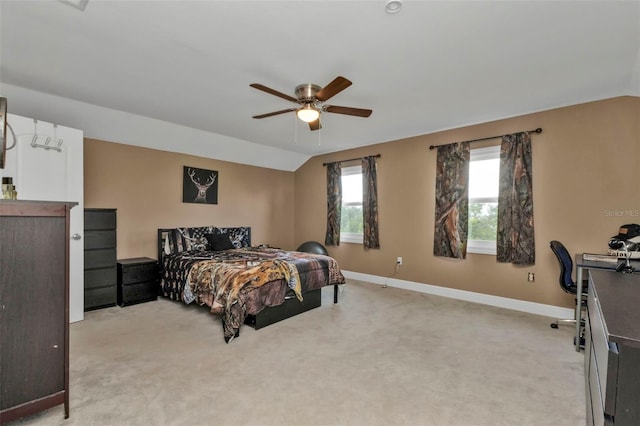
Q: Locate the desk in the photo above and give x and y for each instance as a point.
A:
(612, 349)
(582, 264)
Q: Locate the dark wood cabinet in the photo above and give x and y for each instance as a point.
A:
(100, 280)
(137, 280)
(612, 349)
(34, 300)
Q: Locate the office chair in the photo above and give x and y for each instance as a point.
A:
(566, 281)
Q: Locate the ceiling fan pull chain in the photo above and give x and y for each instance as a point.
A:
(295, 130)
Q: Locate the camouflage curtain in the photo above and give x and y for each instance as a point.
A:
(452, 201)
(334, 204)
(370, 203)
(515, 241)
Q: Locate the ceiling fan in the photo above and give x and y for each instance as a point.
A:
(311, 98)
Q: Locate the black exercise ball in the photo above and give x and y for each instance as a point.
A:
(313, 247)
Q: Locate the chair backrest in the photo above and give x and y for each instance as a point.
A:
(566, 266)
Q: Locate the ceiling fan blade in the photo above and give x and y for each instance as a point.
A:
(315, 125)
(270, 114)
(359, 112)
(330, 90)
(273, 92)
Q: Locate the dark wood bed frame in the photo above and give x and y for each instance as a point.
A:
(269, 315)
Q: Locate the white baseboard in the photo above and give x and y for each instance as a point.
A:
(469, 296)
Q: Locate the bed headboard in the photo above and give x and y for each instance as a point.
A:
(175, 240)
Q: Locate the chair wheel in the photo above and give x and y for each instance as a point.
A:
(554, 325)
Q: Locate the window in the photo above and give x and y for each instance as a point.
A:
(351, 218)
(484, 173)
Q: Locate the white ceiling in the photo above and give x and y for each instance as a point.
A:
(433, 66)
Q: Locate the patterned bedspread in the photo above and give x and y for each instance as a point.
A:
(239, 282)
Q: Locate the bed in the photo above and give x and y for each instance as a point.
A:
(219, 268)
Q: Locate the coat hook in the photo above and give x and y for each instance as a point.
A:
(47, 145)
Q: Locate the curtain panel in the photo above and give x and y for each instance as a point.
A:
(334, 204)
(515, 239)
(452, 201)
(370, 238)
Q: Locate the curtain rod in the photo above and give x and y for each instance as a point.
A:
(353, 159)
(538, 130)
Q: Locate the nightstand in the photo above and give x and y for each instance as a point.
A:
(137, 280)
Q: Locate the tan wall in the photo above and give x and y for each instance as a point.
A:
(586, 174)
(145, 185)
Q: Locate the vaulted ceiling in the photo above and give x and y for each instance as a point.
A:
(188, 65)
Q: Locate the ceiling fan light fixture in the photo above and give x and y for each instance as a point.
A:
(308, 113)
(310, 100)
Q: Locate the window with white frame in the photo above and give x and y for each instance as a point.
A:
(484, 173)
(351, 218)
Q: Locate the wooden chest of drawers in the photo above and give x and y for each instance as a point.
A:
(137, 280)
(34, 324)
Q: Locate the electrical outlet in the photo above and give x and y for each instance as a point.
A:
(531, 277)
(399, 260)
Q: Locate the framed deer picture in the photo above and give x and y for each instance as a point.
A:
(199, 186)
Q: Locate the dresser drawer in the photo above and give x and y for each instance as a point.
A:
(99, 297)
(99, 239)
(99, 219)
(102, 258)
(103, 277)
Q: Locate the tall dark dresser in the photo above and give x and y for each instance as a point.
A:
(100, 268)
(34, 296)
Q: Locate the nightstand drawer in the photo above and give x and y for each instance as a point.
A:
(135, 273)
(136, 293)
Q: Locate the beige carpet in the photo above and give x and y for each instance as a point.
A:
(382, 356)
